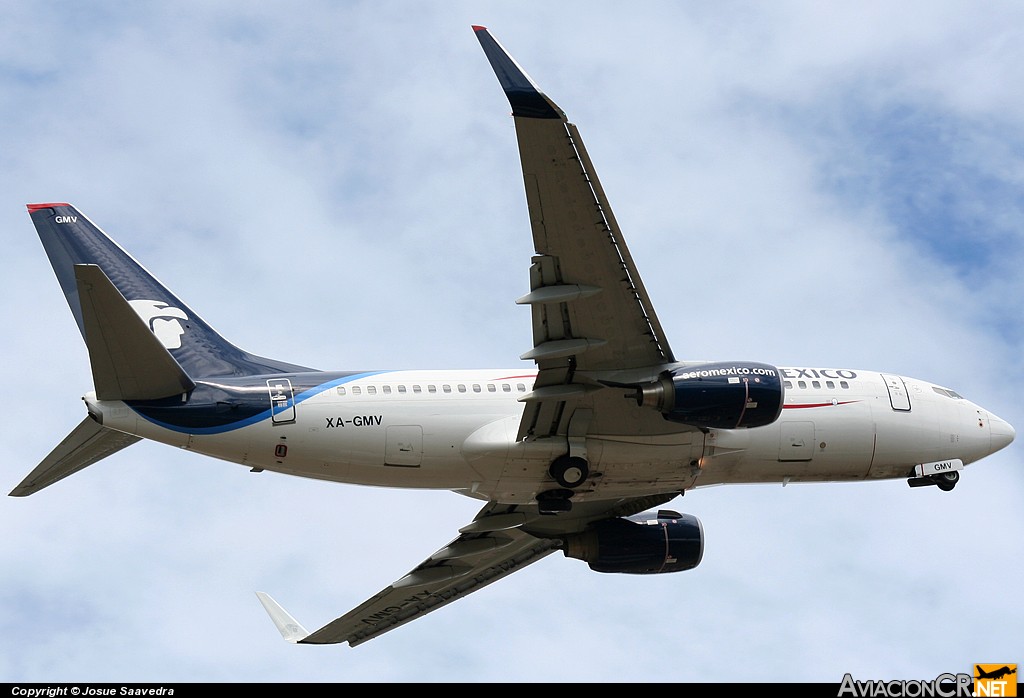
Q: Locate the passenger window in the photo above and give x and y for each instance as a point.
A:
(446, 388)
(476, 388)
(802, 384)
(506, 387)
(816, 384)
(520, 387)
(462, 388)
(371, 390)
(491, 388)
(401, 388)
(341, 390)
(830, 384)
(431, 388)
(844, 384)
(416, 389)
(356, 390)
(789, 385)
(387, 389)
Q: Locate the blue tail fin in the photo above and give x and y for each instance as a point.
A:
(71, 240)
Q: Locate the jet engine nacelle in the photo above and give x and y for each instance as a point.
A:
(644, 544)
(717, 396)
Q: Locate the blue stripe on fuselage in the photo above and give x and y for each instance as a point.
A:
(219, 406)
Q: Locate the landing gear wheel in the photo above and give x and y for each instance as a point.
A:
(554, 501)
(569, 471)
(947, 481)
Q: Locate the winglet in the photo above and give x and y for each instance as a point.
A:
(290, 629)
(523, 94)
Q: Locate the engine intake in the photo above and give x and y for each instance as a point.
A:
(643, 544)
(717, 395)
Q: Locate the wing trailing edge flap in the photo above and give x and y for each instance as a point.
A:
(86, 444)
(128, 361)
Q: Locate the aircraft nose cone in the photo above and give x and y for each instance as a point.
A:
(1002, 433)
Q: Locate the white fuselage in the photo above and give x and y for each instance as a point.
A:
(457, 430)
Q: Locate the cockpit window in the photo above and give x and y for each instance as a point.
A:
(948, 393)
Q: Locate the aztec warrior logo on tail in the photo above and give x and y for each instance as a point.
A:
(163, 320)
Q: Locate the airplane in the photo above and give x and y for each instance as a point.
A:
(995, 674)
(579, 452)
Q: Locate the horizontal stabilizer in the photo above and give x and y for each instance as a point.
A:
(290, 629)
(129, 362)
(88, 443)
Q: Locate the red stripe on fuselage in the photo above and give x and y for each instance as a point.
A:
(818, 404)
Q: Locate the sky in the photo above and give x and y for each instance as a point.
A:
(337, 184)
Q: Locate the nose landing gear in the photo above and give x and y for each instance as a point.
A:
(944, 481)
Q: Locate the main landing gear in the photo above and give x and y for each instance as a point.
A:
(944, 481)
(570, 472)
(554, 501)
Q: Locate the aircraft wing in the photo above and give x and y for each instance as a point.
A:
(485, 551)
(502, 539)
(590, 310)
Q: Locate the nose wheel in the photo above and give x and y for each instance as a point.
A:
(944, 481)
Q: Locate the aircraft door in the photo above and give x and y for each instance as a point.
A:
(898, 395)
(282, 401)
